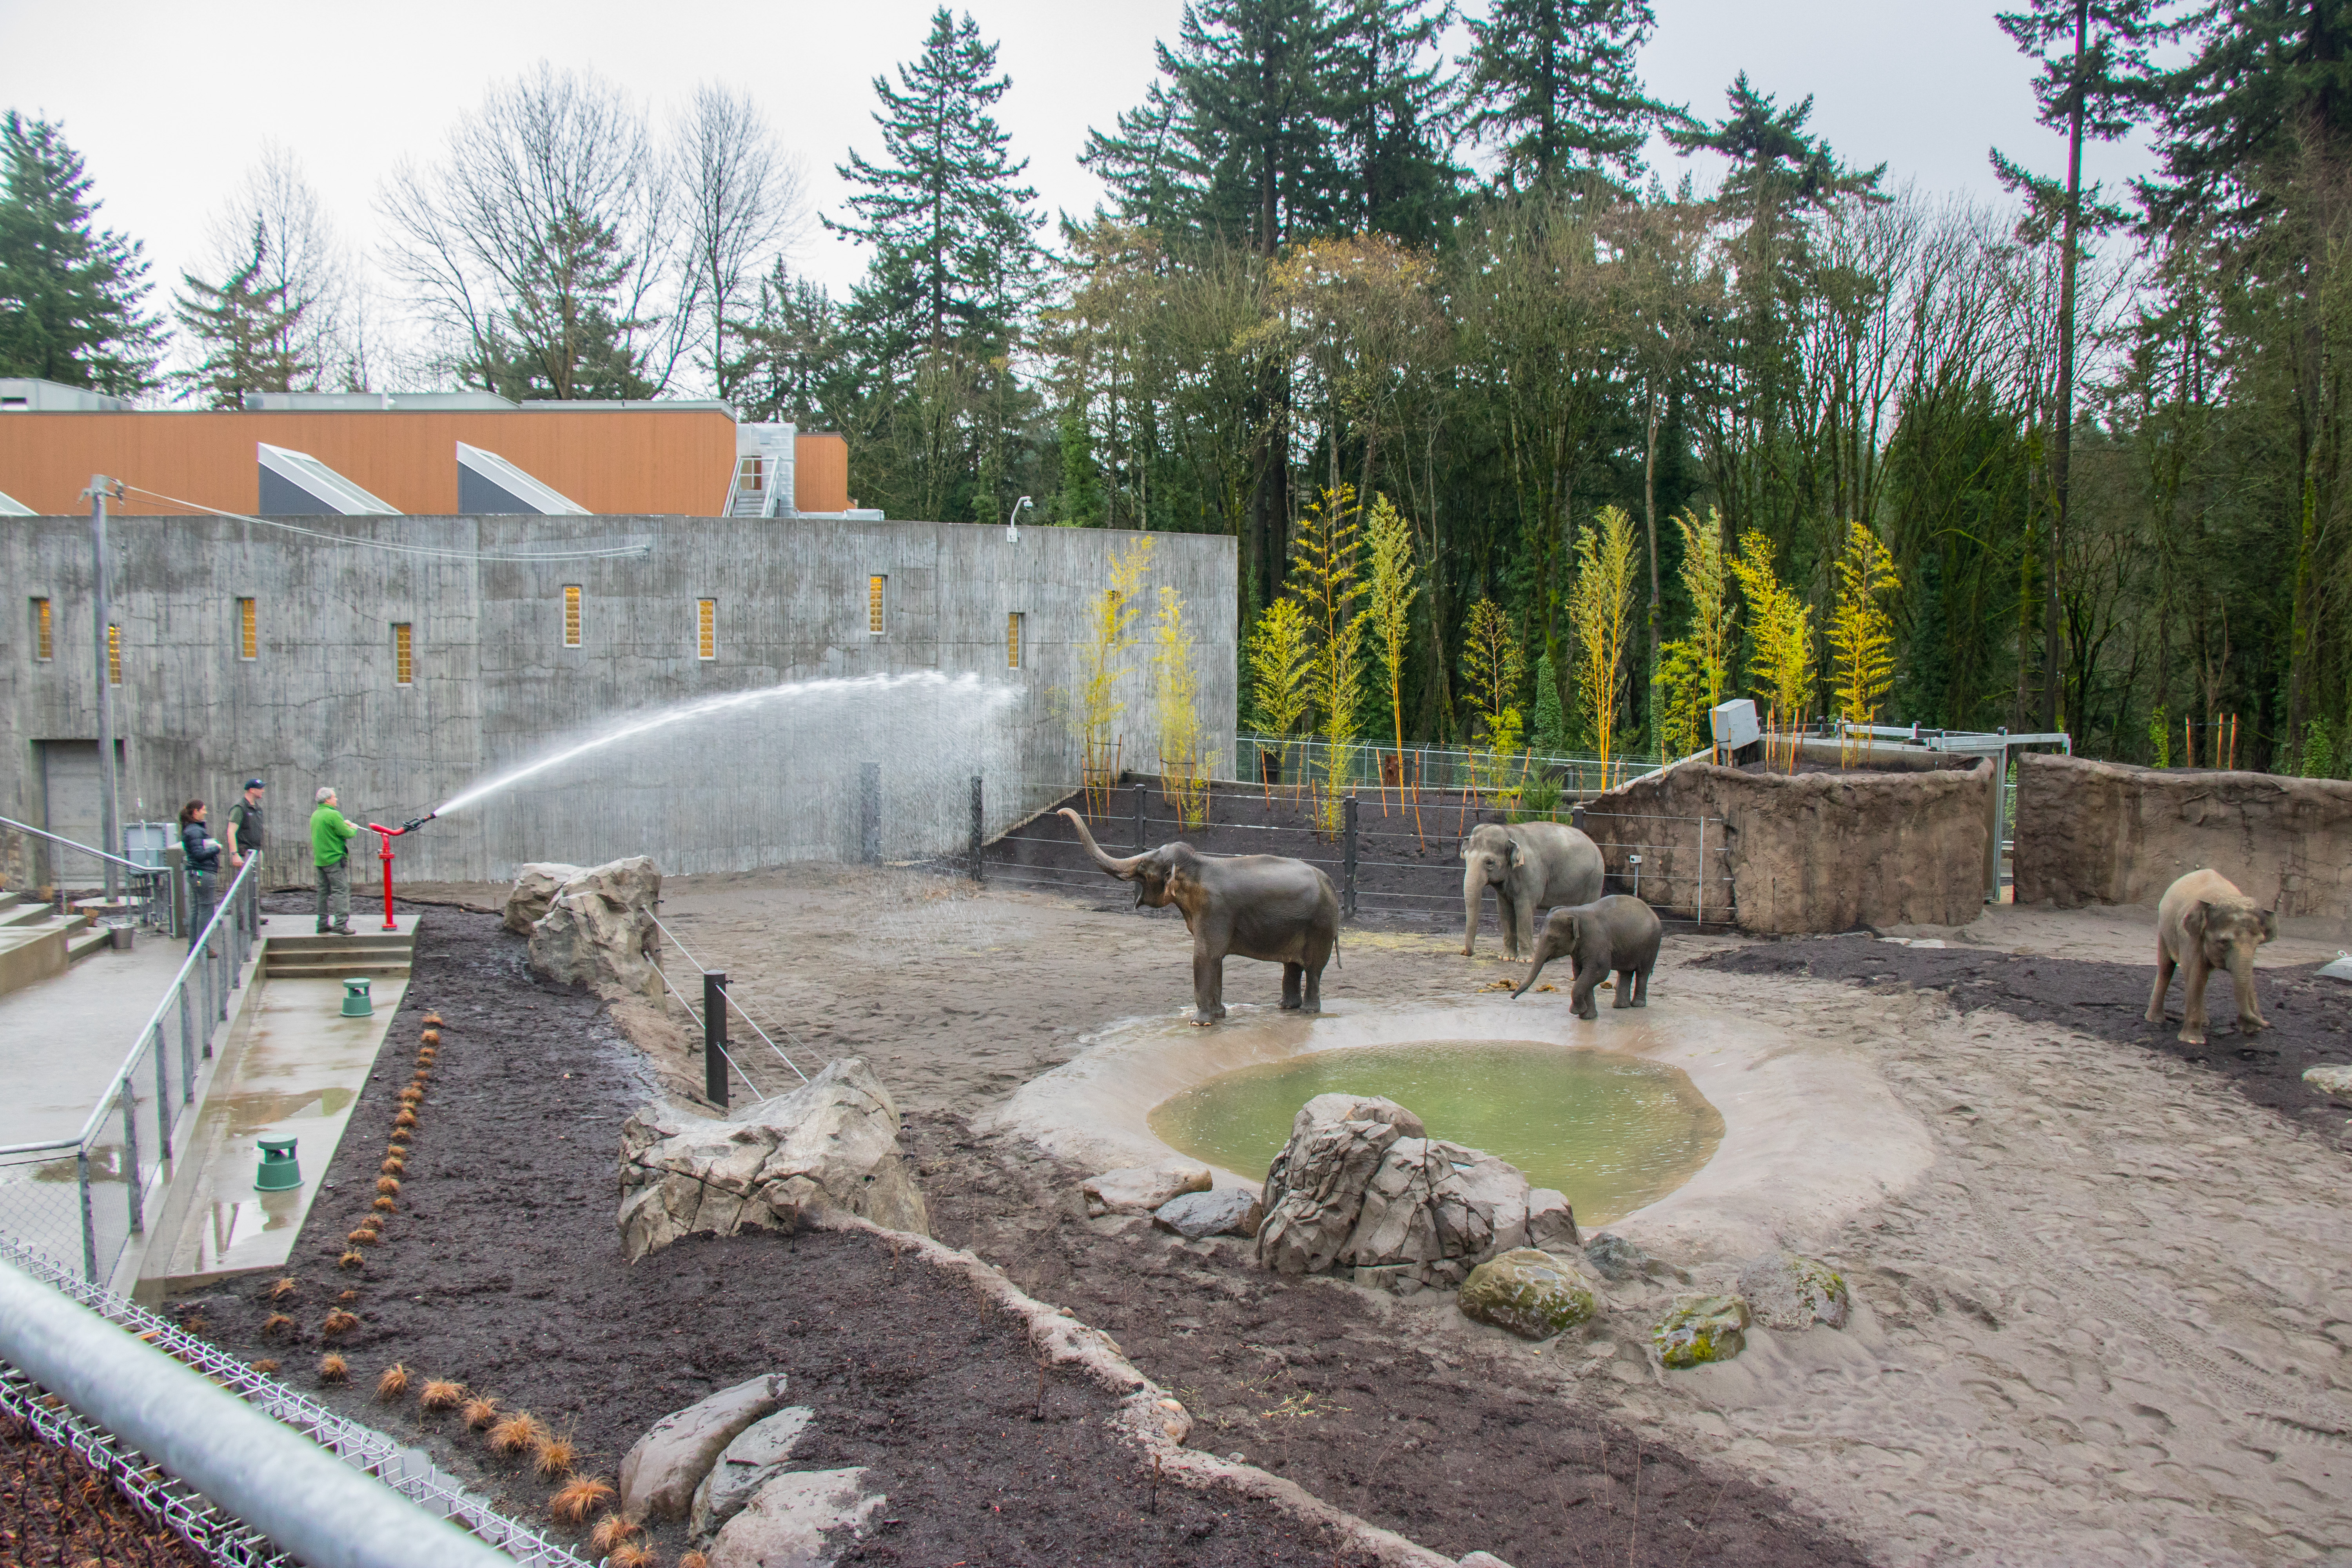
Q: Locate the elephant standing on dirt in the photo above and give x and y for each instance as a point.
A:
(1266, 906)
(2203, 923)
(1616, 933)
(1529, 865)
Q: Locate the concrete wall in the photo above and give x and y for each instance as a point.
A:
(495, 689)
(1901, 844)
(2107, 833)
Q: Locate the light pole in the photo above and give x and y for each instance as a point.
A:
(1012, 523)
(110, 826)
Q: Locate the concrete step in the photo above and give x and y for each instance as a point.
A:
(17, 913)
(290, 969)
(81, 946)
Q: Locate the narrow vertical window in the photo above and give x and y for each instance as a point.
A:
(248, 630)
(706, 628)
(114, 655)
(874, 604)
(1012, 640)
(44, 646)
(404, 655)
(572, 615)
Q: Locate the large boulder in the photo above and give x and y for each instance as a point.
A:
(1141, 1190)
(598, 930)
(660, 1473)
(1361, 1186)
(1223, 1211)
(535, 888)
(1530, 1293)
(786, 1522)
(830, 1146)
(1793, 1293)
(757, 1456)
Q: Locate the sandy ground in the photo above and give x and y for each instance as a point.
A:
(2112, 1323)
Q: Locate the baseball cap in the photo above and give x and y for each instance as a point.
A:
(254, 784)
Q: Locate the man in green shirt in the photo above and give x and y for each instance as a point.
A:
(330, 839)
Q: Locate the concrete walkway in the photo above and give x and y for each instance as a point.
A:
(62, 1038)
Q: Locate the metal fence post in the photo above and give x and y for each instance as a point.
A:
(979, 868)
(869, 812)
(187, 1050)
(1348, 860)
(163, 1098)
(1138, 819)
(714, 1037)
(131, 1154)
(1702, 873)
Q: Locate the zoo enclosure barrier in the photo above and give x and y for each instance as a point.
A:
(716, 1001)
(157, 889)
(1658, 866)
(50, 1189)
(1298, 760)
(1997, 745)
(243, 1469)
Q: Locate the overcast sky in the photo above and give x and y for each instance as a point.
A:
(170, 103)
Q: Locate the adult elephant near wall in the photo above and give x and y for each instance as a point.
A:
(1530, 866)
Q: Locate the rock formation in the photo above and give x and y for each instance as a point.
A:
(1140, 1190)
(659, 1475)
(756, 1457)
(830, 1145)
(535, 888)
(1222, 1211)
(1531, 1293)
(598, 929)
(786, 1524)
(1702, 1329)
(1786, 1292)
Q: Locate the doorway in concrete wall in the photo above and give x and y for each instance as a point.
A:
(69, 808)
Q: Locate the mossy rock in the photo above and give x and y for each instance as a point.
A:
(1788, 1292)
(1530, 1293)
(1702, 1329)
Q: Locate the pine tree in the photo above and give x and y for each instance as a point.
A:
(245, 326)
(791, 366)
(1155, 180)
(1261, 82)
(72, 295)
(1554, 82)
(1078, 502)
(955, 249)
(1400, 180)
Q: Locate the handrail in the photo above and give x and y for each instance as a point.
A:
(197, 949)
(76, 844)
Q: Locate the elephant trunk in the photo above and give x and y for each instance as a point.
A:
(1474, 894)
(1543, 955)
(2242, 983)
(1115, 867)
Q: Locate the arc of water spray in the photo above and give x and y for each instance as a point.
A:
(702, 708)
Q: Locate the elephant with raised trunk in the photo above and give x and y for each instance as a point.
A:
(1530, 866)
(1266, 906)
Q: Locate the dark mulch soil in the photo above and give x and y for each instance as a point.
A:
(55, 1509)
(502, 1269)
(1431, 1436)
(2311, 1016)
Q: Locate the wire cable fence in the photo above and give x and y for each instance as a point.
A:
(82, 1200)
(1679, 865)
(712, 1023)
(217, 1534)
(1289, 761)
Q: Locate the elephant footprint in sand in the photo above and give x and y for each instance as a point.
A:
(1266, 906)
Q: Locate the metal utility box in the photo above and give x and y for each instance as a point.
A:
(143, 843)
(1734, 723)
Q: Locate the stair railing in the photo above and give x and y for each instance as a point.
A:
(155, 909)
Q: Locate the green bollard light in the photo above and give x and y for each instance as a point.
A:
(280, 1170)
(355, 998)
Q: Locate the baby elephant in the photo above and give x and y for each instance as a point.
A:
(1615, 932)
(2202, 924)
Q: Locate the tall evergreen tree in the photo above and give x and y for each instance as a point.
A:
(244, 325)
(1263, 83)
(72, 295)
(1400, 180)
(955, 249)
(792, 364)
(1155, 181)
(1554, 83)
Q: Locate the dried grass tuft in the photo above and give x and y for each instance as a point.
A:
(405, 1119)
(392, 1165)
(481, 1409)
(411, 1095)
(388, 1186)
(431, 1036)
(339, 1323)
(265, 1366)
(383, 1205)
(394, 1383)
(395, 1151)
(610, 1531)
(551, 1454)
(366, 1235)
(278, 1323)
(333, 1369)
(283, 1289)
(577, 1498)
(693, 1560)
(432, 1019)
(630, 1554)
(349, 1296)
(515, 1433)
(440, 1393)
(352, 1258)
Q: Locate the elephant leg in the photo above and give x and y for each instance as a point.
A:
(2192, 999)
(1526, 927)
(1640, 988)
(1507, 914)
(1208, 984)
(1624, 997)
(1579, 992)
(1314, 969)
(1293, 976)
(2250, 1009)
(2163, 983)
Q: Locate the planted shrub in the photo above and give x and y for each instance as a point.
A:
(265, 1366)
(283, 1289)
(333, 1369)
(629, 1554)
(577, 1498)
(383, 1205)
(277, 1323)
(515, 1433)
(392, 1165)
(394, 1383)
(480, 1410)
(551, 1456)
(610, 1531)
(405, 1119)
(440, 1393)
(351, 1259)
(339, 1323)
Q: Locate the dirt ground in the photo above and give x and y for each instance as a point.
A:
(2113, 1323)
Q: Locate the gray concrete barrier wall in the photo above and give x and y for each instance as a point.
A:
(2108, 832)
(495, 688)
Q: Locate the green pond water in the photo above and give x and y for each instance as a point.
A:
(1611, 1131)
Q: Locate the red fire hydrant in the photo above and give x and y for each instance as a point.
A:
(385, 836)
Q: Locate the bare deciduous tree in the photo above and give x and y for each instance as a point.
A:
(745, 203)
(542, 242)
(304, 265)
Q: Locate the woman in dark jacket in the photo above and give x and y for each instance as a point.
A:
(203, 852)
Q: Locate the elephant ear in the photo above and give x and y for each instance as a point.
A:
(2270, 925)
(2193, 921)
(1518, 855)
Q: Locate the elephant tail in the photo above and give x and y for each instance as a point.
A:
(1335, 948)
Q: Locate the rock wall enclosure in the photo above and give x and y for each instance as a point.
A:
(2107, 833)
(1905, 842)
